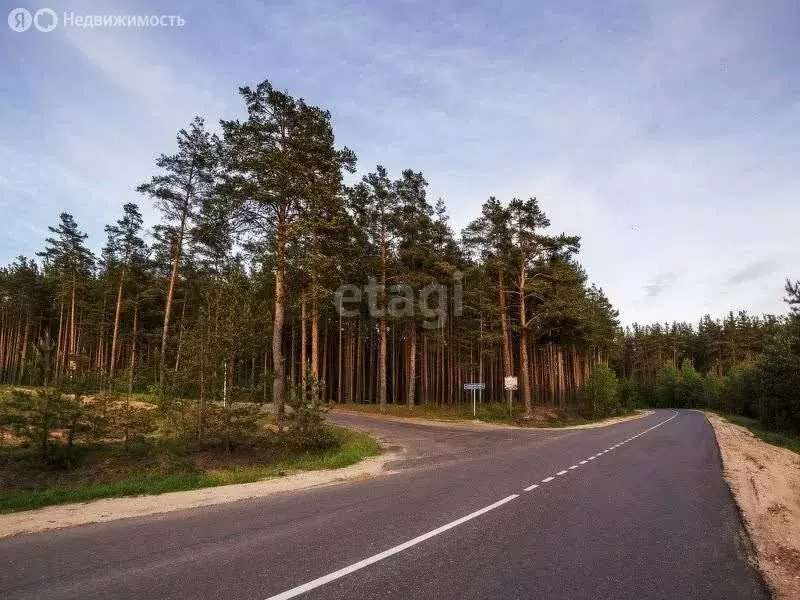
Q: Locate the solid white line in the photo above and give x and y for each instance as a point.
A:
(561, 472)
(320, 581)
(531, 487)
(573, 467)
(547, 479)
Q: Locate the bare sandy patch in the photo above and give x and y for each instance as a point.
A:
(111, 509)
(765, 481)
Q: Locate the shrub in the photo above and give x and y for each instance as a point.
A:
(232, 425)
(602, 389)
(669, 387)
(629, 394)
(691, 389)
(307, 429)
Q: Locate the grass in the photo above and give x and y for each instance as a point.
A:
(489, 412)
(351, 447)
(776, 438)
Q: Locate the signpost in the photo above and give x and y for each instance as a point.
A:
(511, 383)
(474, 387)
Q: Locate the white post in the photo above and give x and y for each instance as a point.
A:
(474, 414)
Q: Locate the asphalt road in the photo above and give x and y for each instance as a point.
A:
(642, 513)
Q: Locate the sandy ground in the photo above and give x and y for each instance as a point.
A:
(478, 424)
(97, 511)
(765, 480)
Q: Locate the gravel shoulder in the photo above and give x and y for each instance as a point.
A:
(110, 509)
(765, 481)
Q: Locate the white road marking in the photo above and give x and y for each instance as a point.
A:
(583, 462)
(573, 467)
(320, 581)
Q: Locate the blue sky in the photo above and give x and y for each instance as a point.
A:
(663, 133)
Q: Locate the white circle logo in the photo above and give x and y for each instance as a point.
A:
(19, 20)
(45, 20)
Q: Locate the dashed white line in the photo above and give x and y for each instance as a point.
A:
(320, 581)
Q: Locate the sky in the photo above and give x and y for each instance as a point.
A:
(665, 134)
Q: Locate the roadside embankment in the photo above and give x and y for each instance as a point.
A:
(765, 481)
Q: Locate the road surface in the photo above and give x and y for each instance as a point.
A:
(636, 510)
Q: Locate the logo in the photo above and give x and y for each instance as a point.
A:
(44, 19)
(19, 20)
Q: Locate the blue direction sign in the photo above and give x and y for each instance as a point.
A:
(474, 386)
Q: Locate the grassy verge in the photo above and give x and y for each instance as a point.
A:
(489, 412)
(784, 440)
(352, 446)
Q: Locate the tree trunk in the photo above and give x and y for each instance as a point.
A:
(133, 346)
(115, 333)
(339, 376)
(279, 381)
(303, 338)
(508, 368)
(315, 349)
(382, 330)
(176, 258)
(525, 388)
(180, 334)
(412, 363)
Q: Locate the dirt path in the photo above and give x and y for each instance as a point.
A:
(765, 480)
(477, 424)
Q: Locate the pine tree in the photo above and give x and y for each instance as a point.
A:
(68, 259)
(375, 204)
(188, 178)
(124, 248)
(274, 162)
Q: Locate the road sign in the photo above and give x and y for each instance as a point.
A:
(511, 382)
(474, 387)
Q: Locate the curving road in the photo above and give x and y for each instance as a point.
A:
(636, 510)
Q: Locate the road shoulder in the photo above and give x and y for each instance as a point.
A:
(765, 482)
(111, 509)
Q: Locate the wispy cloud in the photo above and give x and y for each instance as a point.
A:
(659, 284)
(647, 132)
(753, 272)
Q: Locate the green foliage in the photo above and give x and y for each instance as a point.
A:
(307, 429)
(232, 425)
(667, 392)
(629, 394)
(603, 391)
(738, 390)
(691, 388)
(777, 382)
